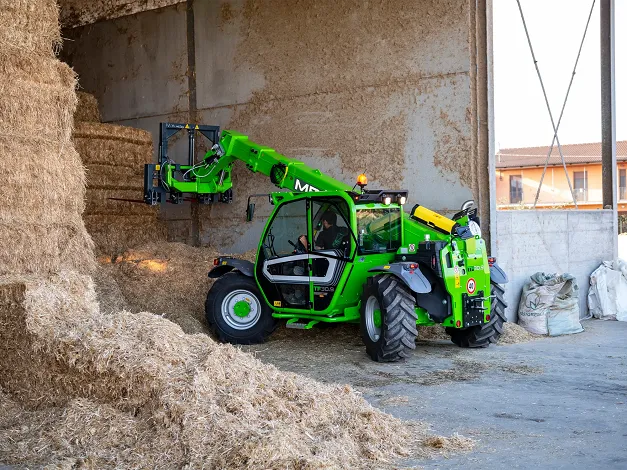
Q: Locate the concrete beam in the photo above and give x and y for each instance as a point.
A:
(75, 13)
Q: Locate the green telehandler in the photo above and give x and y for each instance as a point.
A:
(389, 270)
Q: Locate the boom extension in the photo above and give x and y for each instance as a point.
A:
(211, 178)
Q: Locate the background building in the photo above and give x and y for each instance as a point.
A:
(519, 171)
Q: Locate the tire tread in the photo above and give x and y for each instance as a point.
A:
(400, 333)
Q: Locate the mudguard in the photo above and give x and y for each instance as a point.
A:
(498, 275)
(226, 265)
(411, 277)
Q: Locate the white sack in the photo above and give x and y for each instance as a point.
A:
(549, 305)
(607, 297)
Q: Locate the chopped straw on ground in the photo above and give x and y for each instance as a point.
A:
(455, 443)
(430, 333)
(167, 278)
(514, 333)
(136, 391)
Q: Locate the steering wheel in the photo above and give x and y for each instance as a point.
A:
(298, 247)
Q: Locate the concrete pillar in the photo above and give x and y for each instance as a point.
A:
(608, 105)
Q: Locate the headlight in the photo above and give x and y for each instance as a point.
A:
(401, 200)
(474, 228)
(387, 200)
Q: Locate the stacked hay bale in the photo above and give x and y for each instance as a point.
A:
(114, 158)
(87, 108)
(43, 183)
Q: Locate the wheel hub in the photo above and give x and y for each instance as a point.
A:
(373, 318)
(241, 309)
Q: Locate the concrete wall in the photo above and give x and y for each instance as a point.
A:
(391, 88)
(553, 242)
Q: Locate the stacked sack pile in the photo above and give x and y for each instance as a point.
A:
(114, 158)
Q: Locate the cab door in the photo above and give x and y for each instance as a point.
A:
(282, 269)
(329, 262)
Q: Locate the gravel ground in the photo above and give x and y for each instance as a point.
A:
(551, 403)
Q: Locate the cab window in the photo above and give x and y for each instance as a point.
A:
(288, 224)
(333, 235)
(378, 230)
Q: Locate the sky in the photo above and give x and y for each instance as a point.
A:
(556, 28)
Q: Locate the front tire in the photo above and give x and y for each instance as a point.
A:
(236, 311)
(481, 336)
(388, 319)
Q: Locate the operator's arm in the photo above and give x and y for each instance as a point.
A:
(305, 242)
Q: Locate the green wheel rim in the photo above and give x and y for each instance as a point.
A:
(241, 308)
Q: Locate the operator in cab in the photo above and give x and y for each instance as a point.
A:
(327, 238)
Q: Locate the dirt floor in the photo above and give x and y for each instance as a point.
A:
(550, 403)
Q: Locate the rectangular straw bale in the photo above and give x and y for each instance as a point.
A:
(110, 144)
(29, 68)
(42, 109)
(114, 234)
(45, 248)
(40, 190)
(87, 108)
(114, 177)
(30, 26)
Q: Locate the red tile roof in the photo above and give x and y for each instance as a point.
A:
(573, 154)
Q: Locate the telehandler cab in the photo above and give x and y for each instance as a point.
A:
(388, 270)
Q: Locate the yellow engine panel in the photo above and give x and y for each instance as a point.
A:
(432, 219)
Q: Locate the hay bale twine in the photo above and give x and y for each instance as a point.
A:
(87, 108)
(114, 158)
(30, 26)
(43, 177)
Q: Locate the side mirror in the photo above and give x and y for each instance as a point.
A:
(250, 211)
(468, 204)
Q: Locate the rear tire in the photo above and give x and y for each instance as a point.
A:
(236, 311)
(391, 334)
(481, 336)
